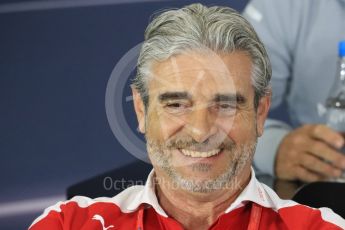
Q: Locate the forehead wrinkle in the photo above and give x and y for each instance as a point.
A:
(167, 81)
(201, 74)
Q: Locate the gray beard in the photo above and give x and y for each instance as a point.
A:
(241, 156)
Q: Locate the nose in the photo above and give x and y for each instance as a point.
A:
(201, 125)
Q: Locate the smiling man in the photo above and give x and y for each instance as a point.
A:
(201, 96)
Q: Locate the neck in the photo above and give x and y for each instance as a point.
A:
(199, 210)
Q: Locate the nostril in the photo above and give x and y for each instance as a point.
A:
(201, 134)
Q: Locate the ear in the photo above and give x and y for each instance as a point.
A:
(262, 112)
(139, 109)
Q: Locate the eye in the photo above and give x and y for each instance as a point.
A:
(226, 108)
(174, 105)
(177, 107)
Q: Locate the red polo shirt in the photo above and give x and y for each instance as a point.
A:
(257, 207)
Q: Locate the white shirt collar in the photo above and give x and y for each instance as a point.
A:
(130, 199)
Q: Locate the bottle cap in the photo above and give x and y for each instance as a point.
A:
(342, 48)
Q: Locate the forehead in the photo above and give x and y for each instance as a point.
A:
(207, 73)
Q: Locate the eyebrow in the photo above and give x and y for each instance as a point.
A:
(239, 98)
(174, 96)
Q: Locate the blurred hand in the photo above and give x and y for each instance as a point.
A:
(310, 153)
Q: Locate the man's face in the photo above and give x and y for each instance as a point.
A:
(201, 126)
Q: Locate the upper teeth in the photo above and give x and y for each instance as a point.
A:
(200, 154)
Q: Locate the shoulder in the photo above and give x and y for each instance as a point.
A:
(293, 215)
(80, 211)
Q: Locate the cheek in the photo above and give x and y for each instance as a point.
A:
(163, 125)
(240, 128)
(226, 125)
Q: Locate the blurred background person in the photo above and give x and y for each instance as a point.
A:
(301, 37)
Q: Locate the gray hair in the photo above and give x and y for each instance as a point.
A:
(220, 29)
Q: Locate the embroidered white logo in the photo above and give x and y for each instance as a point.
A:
(101, 220)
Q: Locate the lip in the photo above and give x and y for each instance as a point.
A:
(210, 158)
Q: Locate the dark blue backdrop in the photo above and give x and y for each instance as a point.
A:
(54, 68)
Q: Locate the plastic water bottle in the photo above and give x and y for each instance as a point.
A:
(335, 103)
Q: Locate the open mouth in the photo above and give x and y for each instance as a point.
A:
(191, 153)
